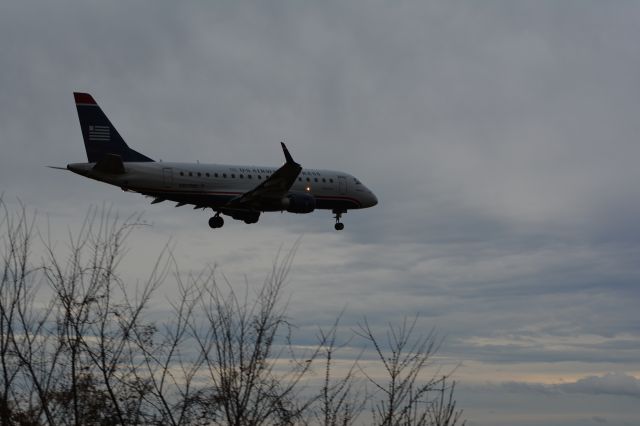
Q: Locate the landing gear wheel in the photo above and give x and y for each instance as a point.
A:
(338, 214)
(216, 222)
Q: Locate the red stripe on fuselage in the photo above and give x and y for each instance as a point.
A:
(178, 192)
(338, 197)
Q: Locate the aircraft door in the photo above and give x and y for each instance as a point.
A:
(342, 185)
(167, 177)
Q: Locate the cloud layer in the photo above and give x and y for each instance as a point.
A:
(500, 138)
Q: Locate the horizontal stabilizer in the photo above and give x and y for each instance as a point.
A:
(157, 200)
(57, 168)
(110, 163)
(180, 204)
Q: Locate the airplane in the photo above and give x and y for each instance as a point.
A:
(241, 192)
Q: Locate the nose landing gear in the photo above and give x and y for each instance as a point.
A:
(339, 226)
(216, 221)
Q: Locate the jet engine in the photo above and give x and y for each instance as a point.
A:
(299, 203)
(245, 216)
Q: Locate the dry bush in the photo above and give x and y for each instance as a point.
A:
(77, 346)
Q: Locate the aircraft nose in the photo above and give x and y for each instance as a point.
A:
(372, 200)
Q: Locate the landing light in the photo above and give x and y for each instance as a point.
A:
(308, 188)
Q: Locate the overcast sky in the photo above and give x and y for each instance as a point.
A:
(501, 138)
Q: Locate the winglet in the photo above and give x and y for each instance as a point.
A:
(287, 156)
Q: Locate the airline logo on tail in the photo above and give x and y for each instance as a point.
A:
(99, 133)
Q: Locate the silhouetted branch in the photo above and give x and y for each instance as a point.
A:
(405, 393)
(76, 343)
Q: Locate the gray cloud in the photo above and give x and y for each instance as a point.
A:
(619, 384)
(609, 384)
(500, 138)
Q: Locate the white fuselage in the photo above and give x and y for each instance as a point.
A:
(212, 185)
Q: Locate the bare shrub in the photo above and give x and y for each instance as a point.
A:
(405, 396)
(78, 345)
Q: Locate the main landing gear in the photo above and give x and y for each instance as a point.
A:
(216, 221)
(338, 214)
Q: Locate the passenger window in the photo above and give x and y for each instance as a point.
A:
(207, 174)
(308, 180)
(224, 175)
(215, 175)
(259, 177)
(199, 174)
(241, 176)
(233, 175)
(330, 180)
(181, 173)
(249, 176)
(190, 174)
(324, 180)
(315, 179)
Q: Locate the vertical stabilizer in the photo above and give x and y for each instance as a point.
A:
(100, 137)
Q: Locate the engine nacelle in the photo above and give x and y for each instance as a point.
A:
(299, 203)
(245, 216)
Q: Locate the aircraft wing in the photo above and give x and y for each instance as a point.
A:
(271, 190)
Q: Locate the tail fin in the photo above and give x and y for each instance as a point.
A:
(100, 137)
